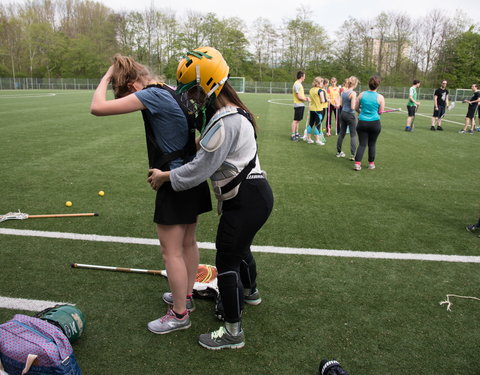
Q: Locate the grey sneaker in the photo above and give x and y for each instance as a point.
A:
(169, 323)
(168, 299)
(221, 339)
(253, 298)
(472, 228)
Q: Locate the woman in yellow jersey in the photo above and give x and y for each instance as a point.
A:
(318, 102)
(333, 92)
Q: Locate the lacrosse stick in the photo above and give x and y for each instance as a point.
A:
(205, 280)
(21, 216)
(449, 108)
(391, 110)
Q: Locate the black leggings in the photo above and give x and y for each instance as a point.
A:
(242, 218)
(368, 132)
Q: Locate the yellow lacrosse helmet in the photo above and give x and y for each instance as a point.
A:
(204, 66)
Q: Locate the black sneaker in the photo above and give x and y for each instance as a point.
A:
(439, 127)
(432, 127)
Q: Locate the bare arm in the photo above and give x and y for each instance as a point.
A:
(102, 107)
(353, 99)
(357, 103)
(381, 101)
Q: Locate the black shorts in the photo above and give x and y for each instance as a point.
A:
(181, 207)
(439, 112)
(298, 113)
(411, 110)
(471, 111)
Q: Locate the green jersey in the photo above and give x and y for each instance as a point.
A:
(412, 93)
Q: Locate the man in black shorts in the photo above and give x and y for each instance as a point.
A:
(472, 107)
(299, 100)
(440, 102)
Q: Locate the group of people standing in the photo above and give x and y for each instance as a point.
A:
(227, 154)
(341, 102)
(441, 102)
(328, 100)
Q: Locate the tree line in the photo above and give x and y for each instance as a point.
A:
(77, 38)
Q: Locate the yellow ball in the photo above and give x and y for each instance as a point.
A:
(68, 203)
(101, 193)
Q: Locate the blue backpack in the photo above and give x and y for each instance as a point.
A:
(35, 347)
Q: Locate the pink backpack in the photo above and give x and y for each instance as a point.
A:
(35, 347)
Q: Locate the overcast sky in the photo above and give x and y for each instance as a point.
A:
(328, 13)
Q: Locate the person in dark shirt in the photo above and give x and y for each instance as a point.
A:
(472, 107)
(440, 102)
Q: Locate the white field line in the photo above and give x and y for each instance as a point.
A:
(27, 304)
(258, 249)
(16, 96)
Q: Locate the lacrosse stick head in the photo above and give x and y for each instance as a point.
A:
(13, 216)
(451, 106)
(206, 273)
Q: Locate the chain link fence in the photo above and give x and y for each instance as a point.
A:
(8, 83)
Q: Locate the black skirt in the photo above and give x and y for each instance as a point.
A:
(181, 207)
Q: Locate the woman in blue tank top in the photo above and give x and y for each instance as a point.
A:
(370, 104)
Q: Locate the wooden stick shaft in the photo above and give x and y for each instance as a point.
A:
(61, 215)
(117, 269)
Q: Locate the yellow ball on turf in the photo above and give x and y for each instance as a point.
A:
(101, 193)
(68, 203)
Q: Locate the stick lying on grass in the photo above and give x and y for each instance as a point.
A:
(205, 282)
(205, 272)
(21, 216)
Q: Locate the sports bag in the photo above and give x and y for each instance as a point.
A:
(35, 347)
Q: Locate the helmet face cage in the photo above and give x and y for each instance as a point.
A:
(193, 97)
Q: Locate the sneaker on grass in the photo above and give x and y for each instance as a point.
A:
(472, 228)
(340, 154)
(221, 339)
(169, 323)
(253, 298)
(168, 299)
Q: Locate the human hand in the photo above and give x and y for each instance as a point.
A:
(156, 178)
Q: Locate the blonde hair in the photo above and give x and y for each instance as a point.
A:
(318, 81)
(351, 82)
(126, 70)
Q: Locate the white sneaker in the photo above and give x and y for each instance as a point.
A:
(357, 167)
(340, 154)
(320, 143)
(371, 166)
(309, 141)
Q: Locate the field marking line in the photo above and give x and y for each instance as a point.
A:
(16, 96)
(255, 248)
(27, 304)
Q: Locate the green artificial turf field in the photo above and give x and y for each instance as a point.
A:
(376, 316)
